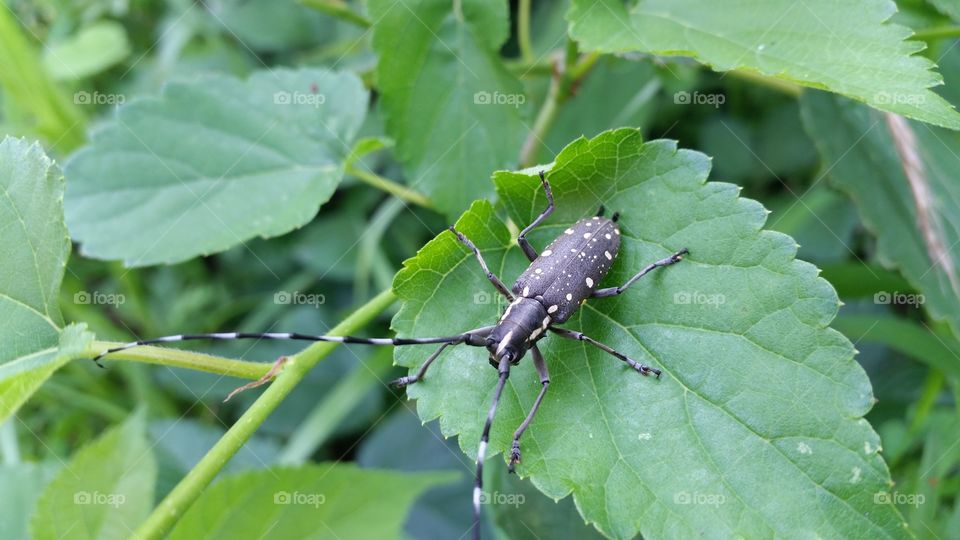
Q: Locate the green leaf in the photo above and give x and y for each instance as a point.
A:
(212, 163)
(33, 102)
(809, 43)
(755, 384)
(318, 501)
(20, 486)
(857, 145)
(450, 104)
(104, 491)
(90, 51)
(35, 248)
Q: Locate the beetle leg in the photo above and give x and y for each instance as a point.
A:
(483, 264)
(613, 291)
(522, 241)
(643, 369)
(541, 366)
(475, 338)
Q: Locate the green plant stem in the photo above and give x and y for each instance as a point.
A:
(335, 406)
(523, 31)
(562, 87)
(390, 187)
(370, 253)
(184, 359)
(936, 32)
(340, 10)
(176, 503)
(55, 118)
(780, 85)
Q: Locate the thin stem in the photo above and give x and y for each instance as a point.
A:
(780, 85)
(390, 186)
(176, 503)
(523, 31)
(562, 87)
(314, 430)
(545, 118)
(184, 359)
(937, 32)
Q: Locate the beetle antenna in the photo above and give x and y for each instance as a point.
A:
(615, 217)
(504, 370)
(600, 211)
(474, 338)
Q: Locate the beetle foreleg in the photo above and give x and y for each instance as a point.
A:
(522, 241)
(541, 366)
(473, 338)
(483, 264)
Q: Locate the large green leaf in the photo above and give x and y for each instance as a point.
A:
(452, 107)
(858, 149)
(755, 384)
(333, 501)
(211, 163)
(813, 43)
(104, 491)
(35, 248)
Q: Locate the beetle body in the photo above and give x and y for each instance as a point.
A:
(554, 286)
(557, 282)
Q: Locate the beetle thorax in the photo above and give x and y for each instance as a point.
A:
(522, 324)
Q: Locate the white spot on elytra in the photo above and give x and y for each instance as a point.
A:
(589, 282)
(553, 309)
(546, 253)
(608, 236)
(546, 322)
(586, 235)
(568, 231)
(617, 231)
(608, 255)
(539, 270)
(526, 291)
(569, 297)
(589, 224)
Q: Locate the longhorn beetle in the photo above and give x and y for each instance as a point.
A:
(547, 293)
